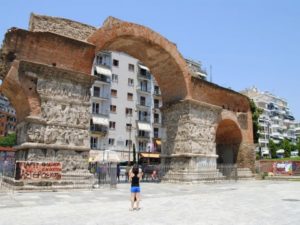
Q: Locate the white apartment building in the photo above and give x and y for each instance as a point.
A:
(276, 121)
(125, 106)
(126, 103)
(297, 130)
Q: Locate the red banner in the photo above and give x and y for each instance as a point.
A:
(38, 170)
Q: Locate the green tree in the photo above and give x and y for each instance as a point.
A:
(273, 148)
(9, 140)
(298, 146)
(286, 145)
(256, 112)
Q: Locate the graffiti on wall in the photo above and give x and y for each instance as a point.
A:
(38, 170)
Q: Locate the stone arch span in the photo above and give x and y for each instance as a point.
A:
(156, 52)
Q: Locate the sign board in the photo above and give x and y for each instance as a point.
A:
(284, 168)
(38, 170)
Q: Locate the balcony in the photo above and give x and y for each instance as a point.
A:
(104, 114)
(102, 97)
(99, 129)
(102, 79)
(156, 122)
(143, 89)
(263, 141)
(157, 93)
(142, 105)
(144, 73)
(143, 136)
(144, 119)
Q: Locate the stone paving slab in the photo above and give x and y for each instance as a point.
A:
(244, 202)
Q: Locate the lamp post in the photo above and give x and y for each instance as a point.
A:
(129, 141)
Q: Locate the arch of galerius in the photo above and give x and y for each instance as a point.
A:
(46, 76)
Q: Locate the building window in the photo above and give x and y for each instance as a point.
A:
(114, 93)
(128, 143)
(113, 108)
(144, 85)
(130, 82)
(111, 141)
(156, 90)
(112, 125)
(156, 132)
(130, 67)
(96, 107)
(103, 60)
(96, 91)
(143, 101)
(156, 118)
(143, 116)
(115, 78)
(116, 62)
(129, 96)
(128, 111)
(128, 126)
(94, 141)
(156, 103)
(142, 146)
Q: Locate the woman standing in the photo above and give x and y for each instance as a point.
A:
(135, 176)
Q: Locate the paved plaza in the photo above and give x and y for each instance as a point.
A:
(243, 202)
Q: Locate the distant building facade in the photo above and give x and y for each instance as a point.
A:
(8, 118)
(276, 122)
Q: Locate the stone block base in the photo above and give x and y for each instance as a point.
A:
(192, 177)
(68, 181)
(71, 160)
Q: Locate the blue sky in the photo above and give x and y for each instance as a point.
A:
(247, 42)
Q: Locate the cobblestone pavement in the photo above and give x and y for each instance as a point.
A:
(243, 202)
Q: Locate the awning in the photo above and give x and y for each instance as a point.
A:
(144, 126)
(95, 156)
(144, 67)
(103, 71)
(150, 155)
(103, 156)
(201, 74)
(280, 151)
(100, 121)
(158, 142)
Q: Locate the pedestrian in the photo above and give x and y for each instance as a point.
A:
(134, 177)
(118, 172)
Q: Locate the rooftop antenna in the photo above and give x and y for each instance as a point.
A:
(210, 71)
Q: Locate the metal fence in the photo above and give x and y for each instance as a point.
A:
(209, 173)
(108, 175)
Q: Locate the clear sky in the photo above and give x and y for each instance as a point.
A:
(247, 42)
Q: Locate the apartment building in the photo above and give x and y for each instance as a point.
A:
(277, 121)
(125, 106)
(7, 117)
(126, 103)
(297, 130)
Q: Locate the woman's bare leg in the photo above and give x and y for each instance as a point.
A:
(138, 198)
(132, 200)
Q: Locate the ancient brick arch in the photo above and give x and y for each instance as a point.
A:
(47, 77)
(159, 54)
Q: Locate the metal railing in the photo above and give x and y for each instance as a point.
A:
(108, 175)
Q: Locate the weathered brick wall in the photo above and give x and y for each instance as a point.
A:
(50, 49)
(216, 95)
(60, 26)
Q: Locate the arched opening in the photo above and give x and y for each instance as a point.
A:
(8, 124)
(228, 140)
(160, 71)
